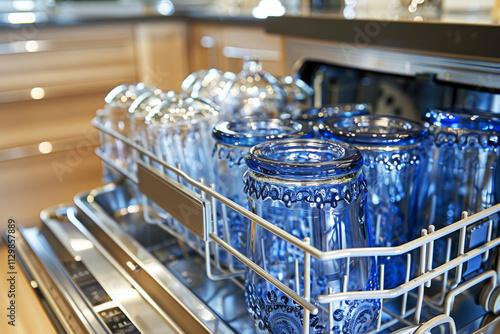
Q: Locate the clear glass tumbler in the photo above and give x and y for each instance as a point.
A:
(315, 189)
(234, 139)
(254, 93)
(115, 116)
(180, 130)
(207, 84)
(392, 148)
(137, 113)
(299, 94)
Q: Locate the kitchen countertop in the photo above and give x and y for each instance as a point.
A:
(90, 13)
(451, 35)
(459, 39)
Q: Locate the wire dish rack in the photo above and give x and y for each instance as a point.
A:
(423, 303)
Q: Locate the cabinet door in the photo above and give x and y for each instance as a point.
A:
(56, 62)
(224, 46)
(161, 54)
(53, 81)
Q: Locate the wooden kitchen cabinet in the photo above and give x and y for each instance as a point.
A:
(223, 46)
(161, 54)
(54, 79)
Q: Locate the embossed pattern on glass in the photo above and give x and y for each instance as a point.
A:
(234, 138)
(391, 147)
(315, 189)
(460, 169)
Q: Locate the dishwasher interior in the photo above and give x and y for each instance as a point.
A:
(121, 270)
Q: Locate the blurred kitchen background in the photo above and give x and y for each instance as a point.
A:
(59, 59)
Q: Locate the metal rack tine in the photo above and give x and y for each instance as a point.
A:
(461, 251)
(404, 301)
(420, 298)
(382, 278)
(430, 253)
(307, 285)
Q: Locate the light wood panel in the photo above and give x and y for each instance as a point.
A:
(230, 44)
(30, 315)
(34, 121)
(30, 185)
(56, 59)
(161, 54)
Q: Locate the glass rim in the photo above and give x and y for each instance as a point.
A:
(329, 111)
(227, 133)
(346, 159)
(175, 108)
(463, 119)
(135, 108)
(404, 132)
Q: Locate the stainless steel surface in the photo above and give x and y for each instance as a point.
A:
(115, 284)
(84, 290)
(491, 328)
(63, 298)
(173, 275)
(180, 202)
(471, 72)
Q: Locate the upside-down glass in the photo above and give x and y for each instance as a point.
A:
(207, 84)
(315, 118)
(181, 135)
(460, 172)
(391, 147)
(299, 94)
(123, 95)
(234, 139)
(137, 113)
(315, 189)
(115, 116)
(254, 93)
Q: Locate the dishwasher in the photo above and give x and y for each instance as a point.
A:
(103, 264)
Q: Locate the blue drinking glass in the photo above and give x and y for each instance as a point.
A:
(234, 139)
(316, 189)
(315, 117)
(391, 147)
(460, 173)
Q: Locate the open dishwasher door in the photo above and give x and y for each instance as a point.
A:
(101, 269)
(84, 291)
